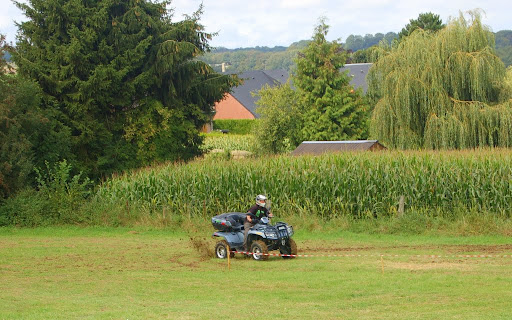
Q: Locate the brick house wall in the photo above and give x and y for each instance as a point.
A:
(230, 108)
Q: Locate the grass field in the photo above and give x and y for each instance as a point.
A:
(118, 273)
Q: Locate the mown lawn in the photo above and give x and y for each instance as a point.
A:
(101, 273)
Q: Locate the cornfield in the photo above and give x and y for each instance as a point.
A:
(228, 142)
(358, 184)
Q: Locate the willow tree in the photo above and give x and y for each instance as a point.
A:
(123, 76)
(443, 90)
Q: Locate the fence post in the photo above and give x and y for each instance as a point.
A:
(229, 257)
(401, 205)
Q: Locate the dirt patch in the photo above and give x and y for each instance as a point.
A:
(484, 249)
(203, 247)
(190, 265)
(311, 249)
(445, 249)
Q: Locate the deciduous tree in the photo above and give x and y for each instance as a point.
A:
(279, 128)
(28, 136)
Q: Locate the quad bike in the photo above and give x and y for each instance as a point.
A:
(262, 237)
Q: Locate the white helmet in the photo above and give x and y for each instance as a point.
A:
(261, 200)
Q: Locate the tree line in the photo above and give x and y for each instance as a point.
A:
(359, 47)
(105, 86)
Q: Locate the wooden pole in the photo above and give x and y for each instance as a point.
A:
(401, 205)
(229, 258)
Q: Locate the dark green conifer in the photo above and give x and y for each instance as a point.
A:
(123, 76)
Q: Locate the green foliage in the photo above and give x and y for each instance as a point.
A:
(322, 106)
(426, 21)
(328, 186)
(57, 200)
(228, 142)
(362, 56)
(240, 60)
(235, 126)
(107, 68)
(56, 182)
(280, 125)
(503, 38)
(332, 109)
(504, 46)
(28, 136)
(244, 59)
(505, 55)
(357, 42)
(359, 185)
(442, 90)
(507, 85)
(160, 133)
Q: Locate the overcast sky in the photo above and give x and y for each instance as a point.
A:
(242, 23)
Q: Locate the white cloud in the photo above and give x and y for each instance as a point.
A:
(303, 4)
(281, 22)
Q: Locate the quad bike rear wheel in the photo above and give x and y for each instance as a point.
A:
(259, 250)
(222, 249)
(292, 249)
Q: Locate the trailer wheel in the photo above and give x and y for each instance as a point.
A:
(221, 250)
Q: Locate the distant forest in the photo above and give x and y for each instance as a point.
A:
(504, 46)
(279, 57)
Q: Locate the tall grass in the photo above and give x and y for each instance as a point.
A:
(228, 142)
(328, 186)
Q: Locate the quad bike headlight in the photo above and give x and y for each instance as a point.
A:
(271, 234)
(290, 230)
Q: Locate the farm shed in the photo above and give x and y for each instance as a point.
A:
(319, 147)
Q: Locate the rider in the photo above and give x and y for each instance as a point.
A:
(254, 214)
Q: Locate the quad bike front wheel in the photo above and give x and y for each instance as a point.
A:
(259, 250)
(222, 249)
(291, 249)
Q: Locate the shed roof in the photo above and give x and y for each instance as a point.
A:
(319, 147)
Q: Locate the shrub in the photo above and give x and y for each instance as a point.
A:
(57, 200)
(241, 126)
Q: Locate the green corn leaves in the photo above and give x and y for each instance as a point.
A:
(358, 184)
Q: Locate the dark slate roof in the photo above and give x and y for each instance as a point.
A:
(280, 75)
(319, 147)
(253, 82)
(357, 72)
